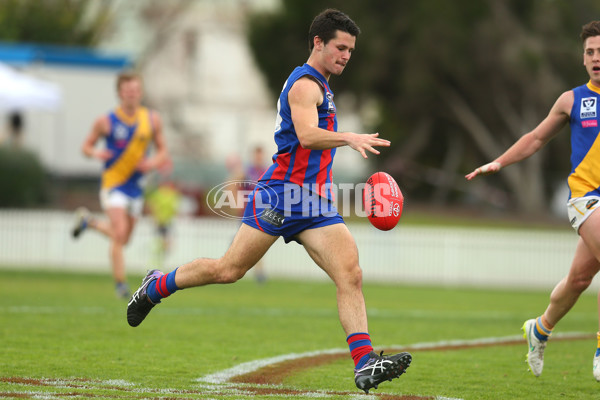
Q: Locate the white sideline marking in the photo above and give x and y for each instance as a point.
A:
(482, 341)
(52, 310)
(251, 366)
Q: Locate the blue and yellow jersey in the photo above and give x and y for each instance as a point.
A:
(128, 139)
(585, 142)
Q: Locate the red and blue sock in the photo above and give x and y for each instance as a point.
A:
(162, 287)
(360, 347)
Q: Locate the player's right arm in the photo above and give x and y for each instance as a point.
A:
(100, 129)
(532, 141)
(304, 97)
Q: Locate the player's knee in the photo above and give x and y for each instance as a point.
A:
(353, 275)
(231, 276)
(121, 238)
(580, 283)
(226, 273)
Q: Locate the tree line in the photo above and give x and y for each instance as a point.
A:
(453, 84)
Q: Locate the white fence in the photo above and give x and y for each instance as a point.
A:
(407, 254)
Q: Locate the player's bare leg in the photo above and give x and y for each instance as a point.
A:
(102, 226)
(249, 245)
(333, 248)
(566, 293)
(589, 232)
(117, 228)
(121, 226)
(584, 267)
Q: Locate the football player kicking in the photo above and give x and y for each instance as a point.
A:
(306, 136)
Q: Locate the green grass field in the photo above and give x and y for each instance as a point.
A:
(64, 335)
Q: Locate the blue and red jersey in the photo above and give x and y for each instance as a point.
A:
(293, 163)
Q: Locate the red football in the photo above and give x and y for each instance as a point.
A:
(383, 201)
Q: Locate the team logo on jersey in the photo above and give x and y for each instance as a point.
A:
(121, 133)
(588, 107)
(330, 104)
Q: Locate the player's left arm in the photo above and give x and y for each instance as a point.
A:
(161, 153)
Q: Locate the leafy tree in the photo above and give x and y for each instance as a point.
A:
(454, 83)
(53, 21)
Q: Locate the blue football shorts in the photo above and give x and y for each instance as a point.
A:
(286, 209)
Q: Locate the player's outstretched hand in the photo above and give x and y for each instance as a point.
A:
(146, 165)
(486, 169)
(367, 142)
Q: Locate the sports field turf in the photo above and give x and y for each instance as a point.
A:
(64, 335)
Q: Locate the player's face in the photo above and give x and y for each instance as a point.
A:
(336, 53)
(130, 93)
(591, 58)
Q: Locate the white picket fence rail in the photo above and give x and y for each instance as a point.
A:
(408, 254)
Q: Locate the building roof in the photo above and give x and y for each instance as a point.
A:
(22, 54)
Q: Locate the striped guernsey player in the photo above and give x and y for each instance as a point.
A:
(293, 199)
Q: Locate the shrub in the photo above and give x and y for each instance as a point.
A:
(22, 178)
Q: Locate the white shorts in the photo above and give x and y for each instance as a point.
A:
(580, 208)
(112, 198)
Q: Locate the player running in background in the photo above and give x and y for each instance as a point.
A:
(128, 132)
(579, 108)
(306, 136)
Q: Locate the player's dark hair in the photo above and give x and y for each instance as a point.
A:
(126, 76)
(327, 23)
(589, 30)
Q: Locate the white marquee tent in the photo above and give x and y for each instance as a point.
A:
(19, 91)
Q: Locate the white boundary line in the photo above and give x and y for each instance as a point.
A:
(223, 376)
(251, 366)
